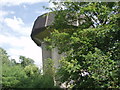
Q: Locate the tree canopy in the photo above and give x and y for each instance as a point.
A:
(92, 47)
(22, 75)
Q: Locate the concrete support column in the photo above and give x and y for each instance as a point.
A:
(56, 57)
(45, 54)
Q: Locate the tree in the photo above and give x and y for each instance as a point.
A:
(4, 57)
(11, 73)
(22, 75)
(31, 70)
(25, 61)
(91, 49)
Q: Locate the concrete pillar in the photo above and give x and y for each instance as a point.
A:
(53, 54)
(45, 54)
(55, 57)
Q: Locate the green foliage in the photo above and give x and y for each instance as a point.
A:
(101, 68)
(31, 70)
(45, 81)
(49, 67)
(91, 49)
(24, 74)
(11, 75)
(25, 61)
(49, 71)
(4, 57)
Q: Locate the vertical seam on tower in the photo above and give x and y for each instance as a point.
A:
(46, 20)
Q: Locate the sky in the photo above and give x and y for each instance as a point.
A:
(16, 21)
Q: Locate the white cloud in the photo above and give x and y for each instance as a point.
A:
(18, 2)
(22, 46)
(2, 16)
(51, 5)
(24, 6)
(13, 41)
(41, 12)
(4, 13)
(17, 25)
(29, 49)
